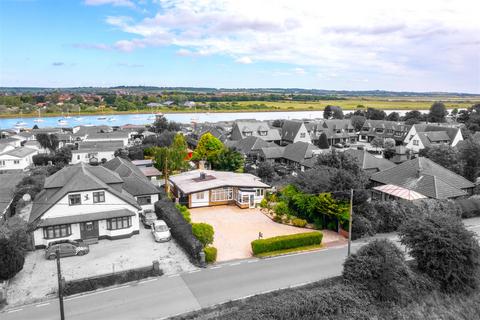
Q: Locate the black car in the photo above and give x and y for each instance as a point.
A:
(148, 217)
(66, 248)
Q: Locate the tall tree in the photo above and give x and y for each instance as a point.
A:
(444, 155)
(207, 148)
(437, 112)
(413, 117)
(469, 154)
(265, 171)
(179, 152)
(323, 141)
(393, 116)
(48, 141)
(375, 114)
(227, 160)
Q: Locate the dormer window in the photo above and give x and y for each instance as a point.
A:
(263, 133)
(365, 129)
(302, 135)
(350, 130)
(247, 133)
(379, 130)
(338, 131)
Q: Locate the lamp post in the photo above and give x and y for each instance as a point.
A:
(60, 285)
(350, 222)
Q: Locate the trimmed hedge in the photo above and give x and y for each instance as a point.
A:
(93, 283)
(210, 254)
(185, 212)
(286, 242)
(180, 229)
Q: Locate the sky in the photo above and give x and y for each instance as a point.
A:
(408, 45)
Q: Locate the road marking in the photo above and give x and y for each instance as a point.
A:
(234, 264)
(174, 275)
(145, 281)
(217, 267)
(42, 304)
(193, 271)
(97, 292)
(15, 310)
(252, 261)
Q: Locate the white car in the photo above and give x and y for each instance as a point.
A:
(160, 231)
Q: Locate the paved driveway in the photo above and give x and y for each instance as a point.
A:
(38, 278)
(236, 228)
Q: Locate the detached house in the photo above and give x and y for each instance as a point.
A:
(95, 151)
(421, 136)
(250, 147)
(294, 131)
(426, 178)
(83, 202)
(18, 159)
(252, 128)
(383, 129)
(203, 188)
(336, 131)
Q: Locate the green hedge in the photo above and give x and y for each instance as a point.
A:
(299, 222)
(210, 254)
(185, 212)
(286, 242)
(203, 232)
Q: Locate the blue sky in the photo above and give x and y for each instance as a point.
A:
(429, 45)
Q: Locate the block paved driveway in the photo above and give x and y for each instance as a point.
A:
(236, 228)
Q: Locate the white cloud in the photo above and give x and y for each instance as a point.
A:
(407, 39)
(118, 3)
(244, 60)
(299, 71)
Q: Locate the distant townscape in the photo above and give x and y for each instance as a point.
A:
(197, 195)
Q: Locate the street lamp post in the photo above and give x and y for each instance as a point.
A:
(350, 222)
(60, 285)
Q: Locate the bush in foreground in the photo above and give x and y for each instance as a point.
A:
(11, 259)
(185, 212)
(380, 268)
(444, 250)
(286, 242)
(210, 254)
(203, 232)
(299, 222)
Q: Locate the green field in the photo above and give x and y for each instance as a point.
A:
(351, 104)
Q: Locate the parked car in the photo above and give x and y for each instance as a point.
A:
(160, 231)
(338, 145)
(148, 216)
(67, 248)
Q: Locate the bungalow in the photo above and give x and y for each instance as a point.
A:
(294, 131)
(83, 202)
(271, 154)
(18, 159)
(425, 177)
(423, 136)
(247, 128)
(296, 153)
(149, 171)
(135, 183)
(203, 188)
(114, 136)
(368, 162)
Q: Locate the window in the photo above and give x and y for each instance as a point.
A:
(78, 157)
(16, 161)
(119, 223)
(2, 162)
(259, 192)
(379, 130)
(99, 197)
(222, 194)
(415, 142)
(144, 200)
(302, 135)
(59, 231)
(74, 199)
(263, 133)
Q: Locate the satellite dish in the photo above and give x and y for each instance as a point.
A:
(26, 197)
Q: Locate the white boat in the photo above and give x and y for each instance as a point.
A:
(79, 119)
(20, 124)
(102, 118)
(63, 122)
(112, 119)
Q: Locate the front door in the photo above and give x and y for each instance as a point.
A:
(251, 203)
(89, 230)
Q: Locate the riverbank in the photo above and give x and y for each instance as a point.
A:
(270, 106)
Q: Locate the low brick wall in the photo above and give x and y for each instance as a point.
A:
(106, 280)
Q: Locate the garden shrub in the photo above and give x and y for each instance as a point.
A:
(318, 223)
(210, 254)
(380, 268)
(264, 203)
(11, 259)
(180, 229)
(185, 212)
(281, 208)
(286, 242)
(203, 232)
(470, 207)
(299, 222)
(444, 250)
(277, 218)
(15, 229)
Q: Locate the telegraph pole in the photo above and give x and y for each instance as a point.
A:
(165, 174)
(60, 285)
(350, 222)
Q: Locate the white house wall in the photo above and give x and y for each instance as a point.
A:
(458, 137)
(415, 148)
(109, 155)
(196, 202)
(154, 198)
(306, 138)
(23, 163)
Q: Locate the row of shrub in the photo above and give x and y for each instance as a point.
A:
(286, 242)
(14, 242)
(203, 232)
(181, 230)
(94, 283)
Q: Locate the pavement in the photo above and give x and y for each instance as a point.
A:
(163, 297)
(236, 228)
